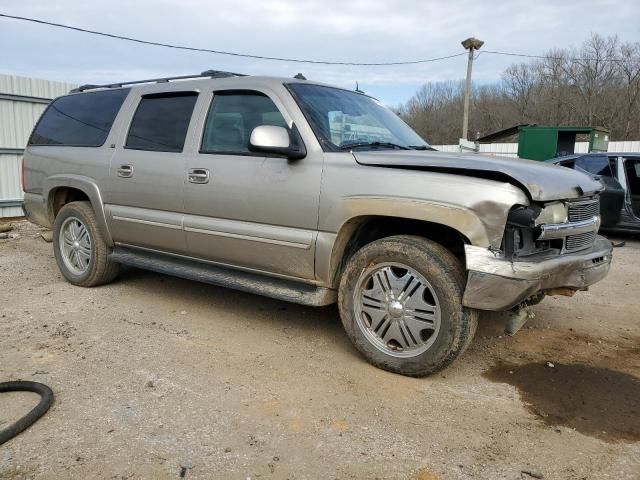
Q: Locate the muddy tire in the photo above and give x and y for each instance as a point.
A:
(400, 301)
(81, 253)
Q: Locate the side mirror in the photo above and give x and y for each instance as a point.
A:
(277, 140)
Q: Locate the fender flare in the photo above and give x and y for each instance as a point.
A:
(331, 247)
(86, 185)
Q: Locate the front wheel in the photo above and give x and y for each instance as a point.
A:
(81, 253)
(400, 302)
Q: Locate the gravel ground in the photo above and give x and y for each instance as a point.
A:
(152, 373)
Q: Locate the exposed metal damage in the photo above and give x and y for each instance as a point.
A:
(499, 283)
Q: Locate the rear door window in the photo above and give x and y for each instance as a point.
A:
(161, 122)
(80, 120)
(632, 168)
(595, 164)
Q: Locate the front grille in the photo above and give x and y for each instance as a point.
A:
(579, 241)
(583, 210)
(576, 212)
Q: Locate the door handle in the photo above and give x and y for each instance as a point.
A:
(198, 175)
(125, 171)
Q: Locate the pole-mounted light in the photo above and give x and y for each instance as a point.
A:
(470, 44)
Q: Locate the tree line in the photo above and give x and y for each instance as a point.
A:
(596, 84)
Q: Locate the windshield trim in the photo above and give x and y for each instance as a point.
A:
(326, 144)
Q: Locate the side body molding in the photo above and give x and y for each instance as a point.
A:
(86, 185)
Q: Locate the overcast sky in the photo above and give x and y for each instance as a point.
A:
(357, 31)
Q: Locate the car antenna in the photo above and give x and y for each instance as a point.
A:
(300, 76)
(358, 88)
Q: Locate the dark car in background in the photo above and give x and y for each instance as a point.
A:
(620, 175)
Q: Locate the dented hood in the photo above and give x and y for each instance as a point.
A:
(542, 181)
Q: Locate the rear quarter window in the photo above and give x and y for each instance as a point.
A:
(80, 120)
(568, 163)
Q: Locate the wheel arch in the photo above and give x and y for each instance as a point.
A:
(358, 231)
(62, 189)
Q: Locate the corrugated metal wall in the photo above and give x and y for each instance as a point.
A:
(511, 149)
(628, 146)
(10, 188)
(22, 100)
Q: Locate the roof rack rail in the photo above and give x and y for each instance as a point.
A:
(205, 74)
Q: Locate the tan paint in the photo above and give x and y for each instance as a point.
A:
(476, 208)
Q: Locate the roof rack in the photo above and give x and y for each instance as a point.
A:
(205, 74)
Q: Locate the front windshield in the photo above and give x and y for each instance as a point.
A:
(341, 118)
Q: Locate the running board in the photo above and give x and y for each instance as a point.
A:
(281, 289)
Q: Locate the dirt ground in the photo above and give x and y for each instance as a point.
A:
(154, 373)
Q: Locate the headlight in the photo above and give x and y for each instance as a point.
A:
(552, 213)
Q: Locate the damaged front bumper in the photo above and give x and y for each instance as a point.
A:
(497, 283)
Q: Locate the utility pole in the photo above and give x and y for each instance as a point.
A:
(470, 44)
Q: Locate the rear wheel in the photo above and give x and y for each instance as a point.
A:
(400, 302)
(81, 253)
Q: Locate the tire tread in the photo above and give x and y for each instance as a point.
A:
(453, 277)
(103, 269)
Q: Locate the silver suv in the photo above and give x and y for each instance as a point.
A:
(312, 194)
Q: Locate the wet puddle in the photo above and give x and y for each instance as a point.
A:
(599, 402)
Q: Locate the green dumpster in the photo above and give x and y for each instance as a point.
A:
(540, 142)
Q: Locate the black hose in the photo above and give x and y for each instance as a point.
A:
(46, 400)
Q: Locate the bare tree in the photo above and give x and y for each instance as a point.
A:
(435, 110)
(597, 84)
(520, 84)
(629, 65)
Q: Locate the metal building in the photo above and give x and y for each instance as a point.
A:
(22, 100)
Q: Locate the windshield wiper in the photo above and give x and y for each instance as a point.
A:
(421, 147)
(348, 146)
